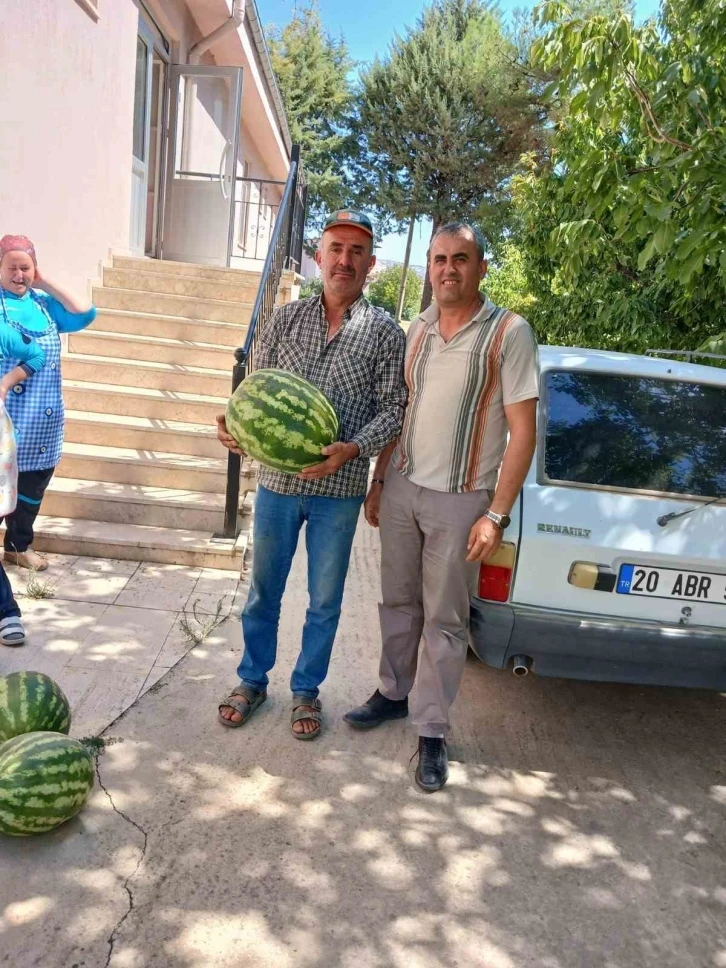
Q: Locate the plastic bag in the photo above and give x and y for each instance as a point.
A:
(8, 464)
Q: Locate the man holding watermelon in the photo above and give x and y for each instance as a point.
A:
(451, 481)
(353, 353)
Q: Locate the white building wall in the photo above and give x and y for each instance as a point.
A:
(66, 104)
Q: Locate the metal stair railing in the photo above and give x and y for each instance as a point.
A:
(285, 252)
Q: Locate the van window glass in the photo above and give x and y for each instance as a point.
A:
(636, 432)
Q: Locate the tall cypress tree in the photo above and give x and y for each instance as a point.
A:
(313, 70)
(444, 117)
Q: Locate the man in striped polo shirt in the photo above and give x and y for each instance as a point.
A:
(444, 490)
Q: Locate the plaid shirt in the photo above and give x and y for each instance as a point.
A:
(360, 371)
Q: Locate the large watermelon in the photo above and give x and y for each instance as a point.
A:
(281, 420)
(31, 701)
(45, 779)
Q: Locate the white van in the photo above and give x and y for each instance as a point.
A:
(614, 565)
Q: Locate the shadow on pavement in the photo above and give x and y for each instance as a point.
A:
(583, 825)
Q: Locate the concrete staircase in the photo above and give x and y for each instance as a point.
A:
(142, 475)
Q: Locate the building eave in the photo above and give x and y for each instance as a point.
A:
(263, 53)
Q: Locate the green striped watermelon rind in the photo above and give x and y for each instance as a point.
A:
(281, 420)
(32, 701)
(45, 779)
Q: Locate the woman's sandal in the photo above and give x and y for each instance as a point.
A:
(312, 714)
(29, 559)
(245, 709)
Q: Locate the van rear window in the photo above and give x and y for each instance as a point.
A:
(636, 432)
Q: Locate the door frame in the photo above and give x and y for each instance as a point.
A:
(175, 73)
(157, 46)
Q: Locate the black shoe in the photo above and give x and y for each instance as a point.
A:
(433, 764)
(377, 710)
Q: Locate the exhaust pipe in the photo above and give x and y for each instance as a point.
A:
(521, 664)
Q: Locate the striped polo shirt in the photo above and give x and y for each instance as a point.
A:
(455, 430)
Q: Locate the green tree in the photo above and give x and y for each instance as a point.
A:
(622, 227)
(384, 288)
(443, 119)
(311, 287)
(313, 71)
(506, 282)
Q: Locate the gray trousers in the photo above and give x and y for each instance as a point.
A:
(426, 586)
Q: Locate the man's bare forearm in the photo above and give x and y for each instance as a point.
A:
(516, 463)
(379, 472)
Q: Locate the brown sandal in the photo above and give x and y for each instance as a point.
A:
(311, 714)
(245, 709)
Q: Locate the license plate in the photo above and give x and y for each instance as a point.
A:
(688, 586)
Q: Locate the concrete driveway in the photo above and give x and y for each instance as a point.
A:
(584, 825)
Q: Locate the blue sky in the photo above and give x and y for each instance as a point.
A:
(368, 26)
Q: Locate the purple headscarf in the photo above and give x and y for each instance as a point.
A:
(17, 243)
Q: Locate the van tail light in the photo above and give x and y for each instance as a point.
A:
(495, 574)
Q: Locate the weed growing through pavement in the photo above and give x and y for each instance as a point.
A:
(196, 628)
(36, 587)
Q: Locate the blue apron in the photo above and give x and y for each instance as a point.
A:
(36, 405)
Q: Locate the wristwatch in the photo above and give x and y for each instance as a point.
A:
(502, 521)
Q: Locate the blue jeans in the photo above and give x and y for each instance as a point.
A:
(8, 605)
(331, 524)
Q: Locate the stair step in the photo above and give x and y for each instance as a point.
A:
(168, 327)
(127, 465)
(153, 349)
(191, 269)
(160, 507)
(154, 376)
(167, 305)
(143, 433)
(137, 542)
(131, 401)
(155, 282)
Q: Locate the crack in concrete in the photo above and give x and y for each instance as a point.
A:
(111, 941)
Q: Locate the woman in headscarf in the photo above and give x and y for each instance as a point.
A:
(30, 359)
(36, 310)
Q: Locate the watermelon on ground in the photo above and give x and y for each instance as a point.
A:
(45, 779)
(281, 420)
(31, 701)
